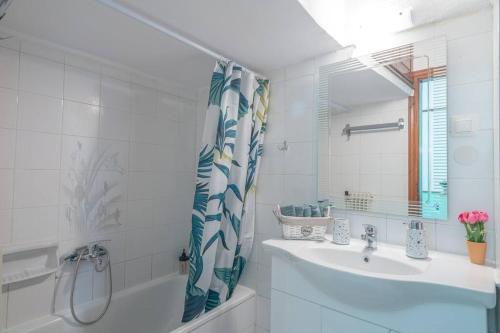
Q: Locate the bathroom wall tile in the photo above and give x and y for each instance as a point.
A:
(277, 97)
(36, 188)
(8, 108)
(474, 100)
(142, 156)
(41, 76)
(117, 154)
(470, 52)
(38, 150)
(83, 293)
(40, 113)
(100, 281)
(5, 226)
(299, 158)
(115, 93)
(140, 185)
(140, 214)
(145, 128)
(77, 152)
(263, 312)
(6, 188)
(164, 263)
(169, 106)
(273, 161)
(137, 271)
(299, 124)
(264, 281)
(9, 68)
(265, 221)
(299, 93)
(114, 124)
(81, 85)
(138, 243)
(34, 224)
(7, 148)
(80, 119)
(22, 306)
(144, 99)
(471, 156)
(469, 194)
(270, 189)
(275, 130)
(299, 189)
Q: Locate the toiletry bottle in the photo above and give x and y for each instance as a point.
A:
(183, 263)
(416, 242)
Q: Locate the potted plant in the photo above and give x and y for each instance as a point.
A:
(474, 226)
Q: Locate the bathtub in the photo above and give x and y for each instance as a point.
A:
(153, 307)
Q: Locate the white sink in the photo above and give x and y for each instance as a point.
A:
(363, 278)
(367, 261)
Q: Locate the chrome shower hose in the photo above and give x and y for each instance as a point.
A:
(72, 300)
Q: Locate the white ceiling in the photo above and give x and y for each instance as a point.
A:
(424, 11)
(260, 34)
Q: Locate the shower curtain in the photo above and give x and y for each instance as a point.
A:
(224, 202)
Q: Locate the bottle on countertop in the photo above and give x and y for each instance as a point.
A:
(183, 263)
(416, 241)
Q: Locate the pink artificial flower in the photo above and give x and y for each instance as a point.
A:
(483, 217)
(473, 217)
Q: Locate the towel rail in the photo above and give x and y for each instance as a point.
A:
(348, 129)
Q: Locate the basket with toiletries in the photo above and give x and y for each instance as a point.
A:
(305, 222)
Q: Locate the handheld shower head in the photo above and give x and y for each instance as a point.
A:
(4, 5)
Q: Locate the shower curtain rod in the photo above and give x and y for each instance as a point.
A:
(165, 30)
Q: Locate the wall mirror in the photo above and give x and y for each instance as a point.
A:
(382, 143)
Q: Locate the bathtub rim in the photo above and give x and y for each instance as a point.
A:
(56, 319)
(240, 295)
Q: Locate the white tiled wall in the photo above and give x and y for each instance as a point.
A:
(58, 114)
(292, 118)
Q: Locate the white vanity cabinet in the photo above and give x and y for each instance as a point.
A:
(290, 314)
(311, 294)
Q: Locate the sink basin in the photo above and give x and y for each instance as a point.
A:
(367, 261)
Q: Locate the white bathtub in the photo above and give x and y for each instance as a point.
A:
(153, 307)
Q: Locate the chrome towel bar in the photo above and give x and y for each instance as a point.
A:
(399, 125)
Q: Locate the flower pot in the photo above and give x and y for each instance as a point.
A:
(477, 252)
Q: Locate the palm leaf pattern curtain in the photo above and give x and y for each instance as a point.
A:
(224, 201)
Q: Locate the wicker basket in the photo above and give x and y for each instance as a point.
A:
(306, 228)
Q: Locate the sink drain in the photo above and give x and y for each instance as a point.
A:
(366, 259)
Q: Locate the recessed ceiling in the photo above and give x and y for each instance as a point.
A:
(261, 34)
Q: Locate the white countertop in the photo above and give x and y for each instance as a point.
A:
(454, 272)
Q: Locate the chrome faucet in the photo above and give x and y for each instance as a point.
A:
(370, 236)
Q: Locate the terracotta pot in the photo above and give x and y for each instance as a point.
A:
(477, 252)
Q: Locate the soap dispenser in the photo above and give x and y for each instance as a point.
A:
(416, 241)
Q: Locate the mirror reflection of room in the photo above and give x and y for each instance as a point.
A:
(388, 132)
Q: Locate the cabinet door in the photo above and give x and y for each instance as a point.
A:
(290, 314)
(336, 322)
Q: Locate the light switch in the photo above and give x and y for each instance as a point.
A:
(463, 125)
